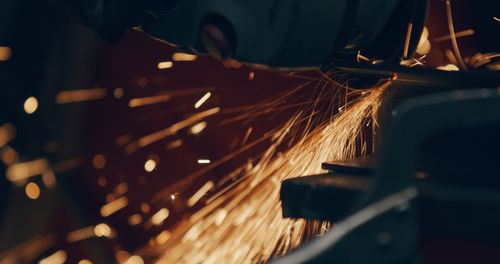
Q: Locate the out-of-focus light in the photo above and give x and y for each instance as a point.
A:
(163, 237)
(99, 161)
(102, 230)
(7, 133)
(251, 76)
(198, 128)
(102, 181)
(165, 65)
(30, 105)
(32, 190)
(84, 261)
(114, 206)
(135, 219)
(449, 67)
(150, 165)
(172, 197)
(145, 208)
(5, 53)
(203, 161)
(118, 93)
(134, 260)
(57, 258)
(202, 100)
(160, 216)
(183, 57)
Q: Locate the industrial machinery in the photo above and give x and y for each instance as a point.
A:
(433, 179)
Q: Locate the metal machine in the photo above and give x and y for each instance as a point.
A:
(434, 176)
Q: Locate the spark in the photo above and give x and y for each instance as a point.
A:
(453, 36)
(183, 57)
(114, 206)
(7, 133)
(102, 230)
(84, 261)
(80, 234)
(200, 193)
(163, 237)
(160, 216)
(222, 236)
(169, 131)
(135, 219)
(198, 128)
(165, 65)
(22, 171)
(134, 260)
(202, 100)
(99, 161)
(174, 144)
(32, 190)
(58, 257)
(251, 76)
(75, 96)
(30, 105)
(448, 67)
(5, 53)
(203, 161)
(136, 102)
(464, 33)
(118, 93)
(150, 165)
(496, 19)
(407, 40)
(145, 208)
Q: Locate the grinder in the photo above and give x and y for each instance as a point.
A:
(279, 34)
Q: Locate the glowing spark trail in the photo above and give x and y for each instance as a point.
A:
(74, 96)
(243, 224)
(202, 100)
(136, 102)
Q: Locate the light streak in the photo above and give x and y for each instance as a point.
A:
(169, 131)
(160, 216)
(202, 100)
(113, 206)
(75, 96)
(5, 53)
(200, 193)
(32, 190)
(496, 19)
(407, 40)
(84, 261)
(464, 33)
(174, 144)
(22, 171)
(80, 234)
(183, 57)
(58, 257)
(137, 102)
(198, 128)
(165, 65)
(163, 237)
(203, 161)
(244, 224)
(30, 105)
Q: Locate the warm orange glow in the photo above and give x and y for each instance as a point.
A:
(99, 161)
(165, 65)
(59, 257)
(75, 96)
(183, 57)
(136, 102)
(5, 53)
(32, 190)
(30, 105)
(150, 165)
(160, 216)
(202, 100)
(114, 206)
(135, 219)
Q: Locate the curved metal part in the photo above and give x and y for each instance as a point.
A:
(361, 237)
